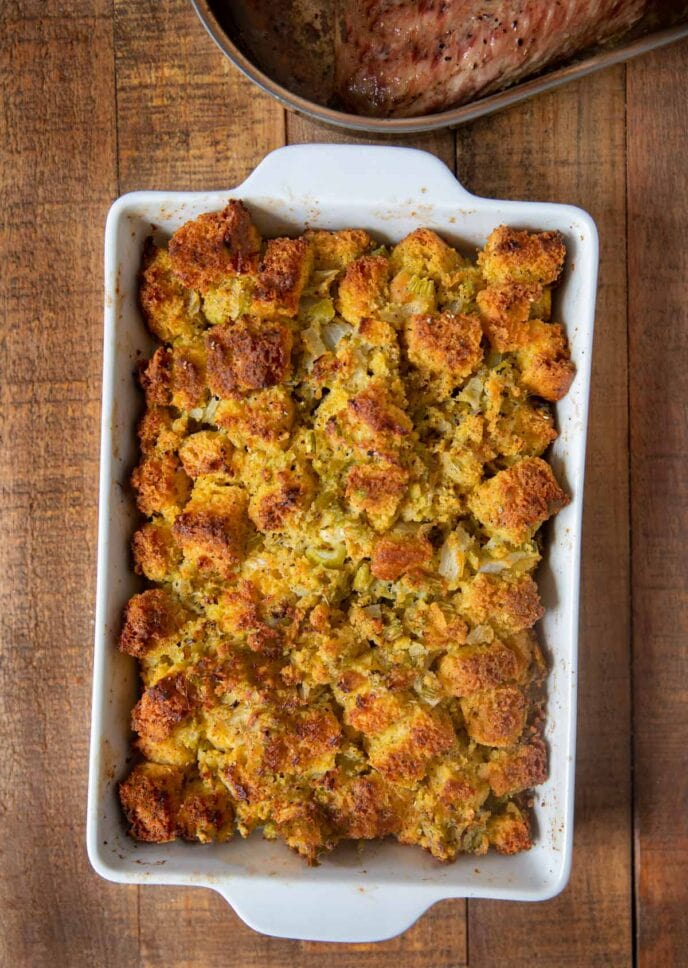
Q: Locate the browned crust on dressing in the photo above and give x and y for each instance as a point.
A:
(343, 530)
(446, 344)
(396, 555)
(149, 619)
(151, 795)
(248, 355)
(215, 246)
(516, 501)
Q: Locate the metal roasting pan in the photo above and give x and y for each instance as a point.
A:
(229, 41)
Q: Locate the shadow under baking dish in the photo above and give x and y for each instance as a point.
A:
(375, 891)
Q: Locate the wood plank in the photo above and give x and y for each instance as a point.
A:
(201, 930)
(187, 119)
(57, 178)
(658, 326)
(569, 146)
(302, 130)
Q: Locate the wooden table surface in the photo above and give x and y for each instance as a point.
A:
(98, 97)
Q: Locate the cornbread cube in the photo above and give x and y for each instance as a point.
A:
(437, 625)
(526, 432)
(151, 796)
(263, 419)
(377, 332)
(156, 553)
(239, 614)
(399, 554)
(495, 717)
(373, 712)
(505, 310)
(206, 452)
(176, 377)
(150, 619)
(284, 270)
(163, 707)
(362, 807)
(205, 813)
(515, 502)
(518, 256)
(155, 378)
(545, 361)
(377, 489)
(248, 355)
(302, 825)
(541, 308)
(212, 528)
(511, 771)
(306, 744)
(458, 786)
(476, 668)
(276, 505)
(215, 245)
(509, 832)
(375, 420)
(445, 345)
(155, 431)
(161, 485)
(335, 250)
(229, 300)
(403, 752)
(170, 310)
(364, 288)
(508, 603)
(529, 659)
(425, 254)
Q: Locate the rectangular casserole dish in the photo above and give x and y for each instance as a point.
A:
(372, 893)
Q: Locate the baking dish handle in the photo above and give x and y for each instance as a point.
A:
(343, 912)
(330, 174)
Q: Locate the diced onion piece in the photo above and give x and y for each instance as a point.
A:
(428, 689)
(211, 409)
(312, 340)
(463, 538)
(372, 611)
(472, 393)
(333, 332)
(451, 560)
(481, 634)
(494, 567)
(193, 303)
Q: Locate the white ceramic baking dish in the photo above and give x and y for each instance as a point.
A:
(373, 892)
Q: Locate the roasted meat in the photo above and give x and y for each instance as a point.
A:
(403, 58)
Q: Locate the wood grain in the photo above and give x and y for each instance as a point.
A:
(105, 96)
(187, 119)
(570, 147)
(207, 933)
(57, 178)
(300, 130)
(658, 327)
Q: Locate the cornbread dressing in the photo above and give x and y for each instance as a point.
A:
(341, 483)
